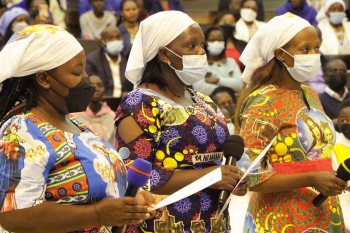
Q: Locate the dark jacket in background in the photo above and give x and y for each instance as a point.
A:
(173, 5)
(97, 63)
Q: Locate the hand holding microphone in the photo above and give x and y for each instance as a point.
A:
(343, 173)
(233, 151)
(137, 177)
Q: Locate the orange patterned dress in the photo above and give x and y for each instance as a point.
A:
(304, 140)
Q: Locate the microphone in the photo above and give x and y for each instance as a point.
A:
(343, 172)
(233, 151)
(138, 175)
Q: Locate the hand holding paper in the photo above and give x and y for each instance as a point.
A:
(196, 186)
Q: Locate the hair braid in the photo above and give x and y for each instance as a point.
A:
(14, 91)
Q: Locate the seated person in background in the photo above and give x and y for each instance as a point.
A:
(317, 4)
(235, 6)
(247, 25)
(335, 92)
(341, 151)
(318, 83)
(109, 63)
(39, 13)
(299, 8)
(49, 10)
(128, 22)
(165, 5)
(222, 70)
(234, 47)
(112, 6)
(98, 116)
(145, 6)
(93, 22)
(12, 20)
(335, 29)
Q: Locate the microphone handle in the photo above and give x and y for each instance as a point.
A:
(318, 200)
(224, 194)
(131, 191)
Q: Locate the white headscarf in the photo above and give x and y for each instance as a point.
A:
(154, 33)
(324, 9)
(329, 3)
(35, 48)
(273, 35)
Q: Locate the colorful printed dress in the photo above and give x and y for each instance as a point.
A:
(39, 162)
(176, 138)
(304, 142)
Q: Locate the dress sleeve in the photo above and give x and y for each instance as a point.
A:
(26, 158)
(149, 116)
(259, 125)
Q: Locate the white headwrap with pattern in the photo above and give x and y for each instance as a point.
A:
(35, 48)
(273, 35)
(154, 33)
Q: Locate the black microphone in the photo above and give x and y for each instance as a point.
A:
(138, 175)
(233, 151)
(343, 172)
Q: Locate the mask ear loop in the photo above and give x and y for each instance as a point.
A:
(172, 80)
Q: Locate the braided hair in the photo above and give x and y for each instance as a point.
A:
(18, 95)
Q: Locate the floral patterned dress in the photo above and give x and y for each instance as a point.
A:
(304, 140)
(39, 162)
(176, 138)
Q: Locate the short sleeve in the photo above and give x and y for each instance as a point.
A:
(149, 116)
(25, 161)
(259, 125)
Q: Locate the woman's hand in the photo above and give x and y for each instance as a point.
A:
(151, 200)
(122, 211)
(242, 188)
(230, 178)
(328, 184)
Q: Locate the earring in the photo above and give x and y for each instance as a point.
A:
(47, 86)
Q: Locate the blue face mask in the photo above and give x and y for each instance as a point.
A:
(336, 17)
(114, 47)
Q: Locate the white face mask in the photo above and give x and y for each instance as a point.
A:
(336, 17)
(194, 68)
(114, 47)
(248, 15)
(19, 26)
(216, 47)
(306, 66)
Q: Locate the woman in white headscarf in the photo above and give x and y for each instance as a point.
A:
(55, 174)
(276, 108)
(335, 29)
(180, 131)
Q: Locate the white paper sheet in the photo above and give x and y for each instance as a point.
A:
(196, 186)
(252, 165)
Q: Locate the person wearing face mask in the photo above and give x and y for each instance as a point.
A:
(247, 25)
(341, 152)
(222, 70)
(50, 163)
(335, 29)
(109, 63)
(98, 115)
(278, 113)
(335, 76)
(11, 21)
(172, 126)
(234, 47)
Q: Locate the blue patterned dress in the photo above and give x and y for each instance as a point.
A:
(39, 162)
(176, 138)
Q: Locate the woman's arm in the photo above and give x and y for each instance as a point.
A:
(52, 217)
(325, 182)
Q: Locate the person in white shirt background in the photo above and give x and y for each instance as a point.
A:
(247, 25)
(335, 29)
